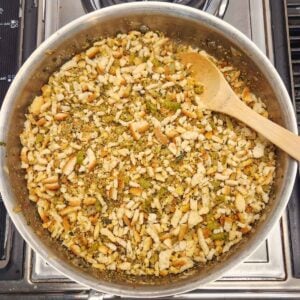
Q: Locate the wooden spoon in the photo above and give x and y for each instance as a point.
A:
(219, 96)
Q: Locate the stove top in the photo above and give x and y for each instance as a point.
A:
(91, 5)
(268, 271)
(216, 7)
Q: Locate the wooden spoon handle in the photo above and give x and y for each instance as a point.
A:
(279, 136)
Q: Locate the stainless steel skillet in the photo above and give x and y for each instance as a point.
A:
(181, 23)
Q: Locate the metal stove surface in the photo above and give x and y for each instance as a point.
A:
(267, 271)
(90, 5)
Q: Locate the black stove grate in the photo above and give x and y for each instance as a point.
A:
(283, 13)
(214, 7)
(91, 5)
(9, 30)
(293, 8)
(2, 232)
(9, 21)
(293, 18)
(11, 244)
(193, 3)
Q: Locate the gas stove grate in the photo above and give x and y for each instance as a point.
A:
(216, 7)
(293, 18)
(9, 21)
(293, 7)
(96, 4)
(11, 244)
(3, 231)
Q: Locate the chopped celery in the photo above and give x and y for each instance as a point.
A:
(229, 123)
(98, 206)
(162, 192)
(214, 155)
(216, 183)
(147, 204)
(80, 157)
(212, 225)
(126, 180)
(131, 58)
(39, 138)
(171, 105)
(219, 236)
(220, 198)
(156, 62)
(108, 118)
(151, 107)
(126, 117)
(179, 190)
(144, 183)
(172, 68)
(95, 246)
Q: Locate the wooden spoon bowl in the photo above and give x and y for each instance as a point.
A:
(218, 96)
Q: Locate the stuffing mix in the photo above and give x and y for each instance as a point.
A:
(126, 170)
